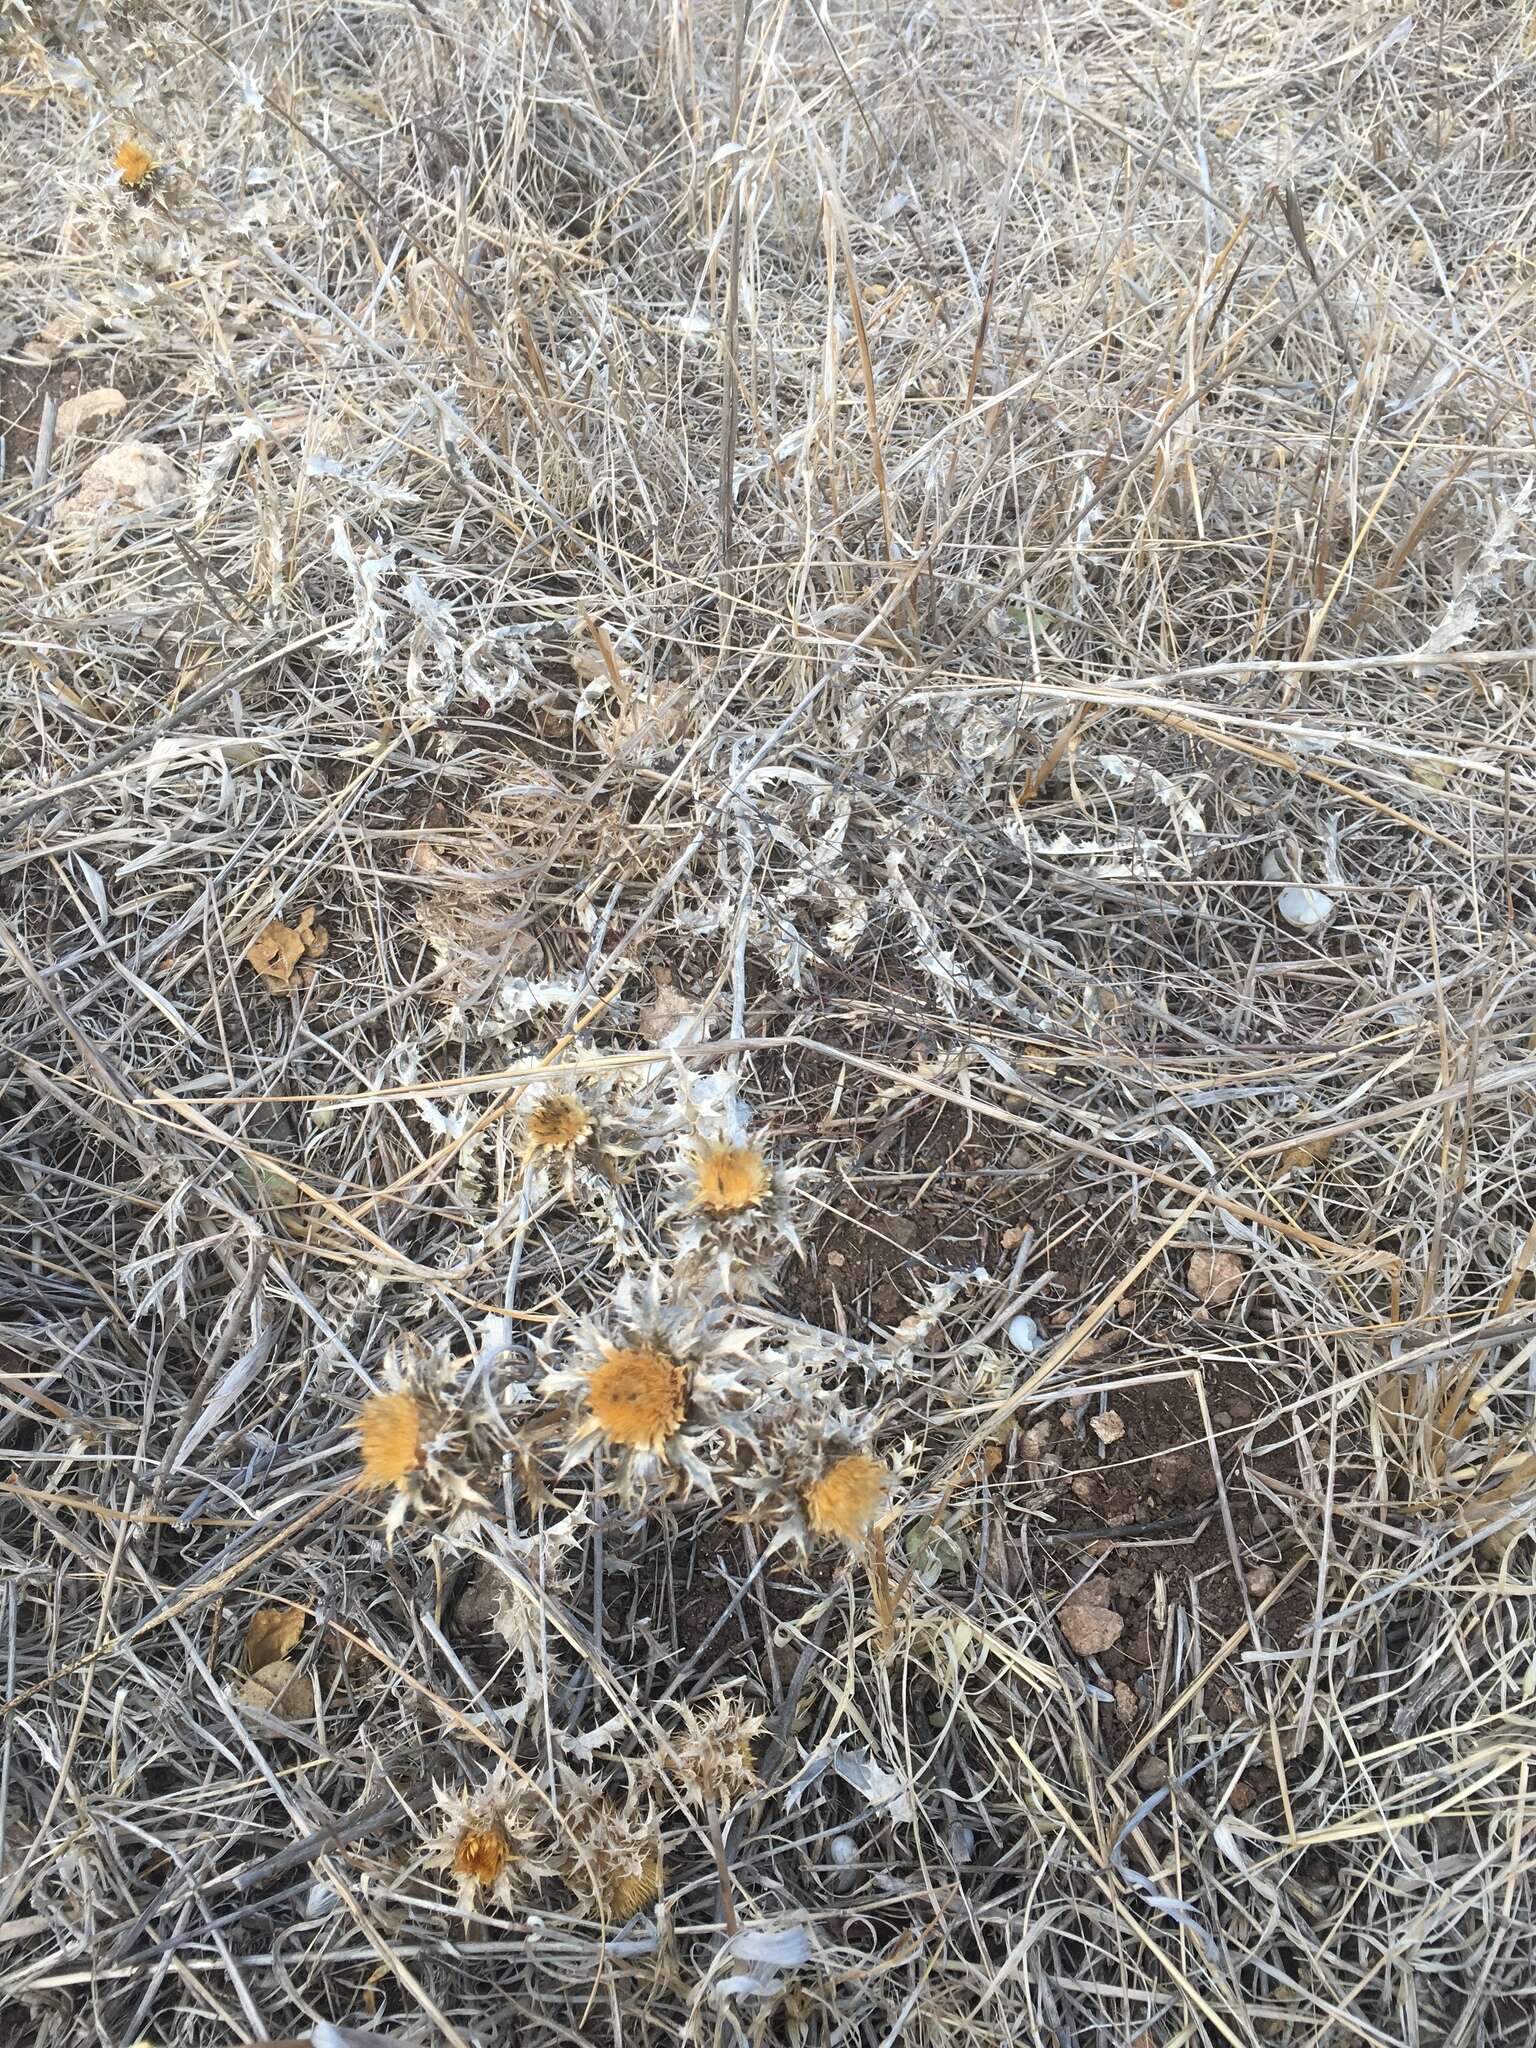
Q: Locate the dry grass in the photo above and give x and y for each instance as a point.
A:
(863, 549)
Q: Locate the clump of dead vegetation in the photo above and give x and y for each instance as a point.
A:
(766, 942)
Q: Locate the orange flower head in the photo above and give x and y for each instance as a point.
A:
(846, 1499)
(729, 1179)
(390, 1427)
(558, 1124)
(637, 1397)
(481, 1854)
(133, 165)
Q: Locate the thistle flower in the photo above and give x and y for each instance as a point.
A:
(413, 1437)
(712, 1756)
(134, 165)
(572, 1139)
(614, 1853)
(559, 1123)
(817, 1479)
(729, 1179)
(493, 1841)
(846, 1500)
(733, 1205)
(391, 1428)
(654, 1386)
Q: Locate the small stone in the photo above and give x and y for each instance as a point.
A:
(1108, 1427)
(1216, 1276)
(1241, 1796)
(1083, 1486)
(836, 1259)
(1151, 1774)
(135, 481)
(1261, 1580)
(1127, 1706)
(844, 1851)
(85, 409)
(1089, 1626)
(280, 1689)
(1024, 1335)
(1222, 1418)
(1304, 909)
(1034, 1440)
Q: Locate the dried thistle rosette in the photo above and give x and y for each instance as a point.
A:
(660, 1385)
(416, 1439)
(493, 1841)
(734, 1206)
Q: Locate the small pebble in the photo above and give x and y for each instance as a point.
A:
(1261, 1580)
(1024, 1334)
(1089, 1627)
(1151, 1774)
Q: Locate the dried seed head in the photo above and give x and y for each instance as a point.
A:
(133, 165)
(734, 1207)
(631, 1893)
(420, 1439)
(846, 1499)
(713, 1754)
(614, 1854)
(637, 1397)
(391, 1430)
(729, 1179)
(557, 1124)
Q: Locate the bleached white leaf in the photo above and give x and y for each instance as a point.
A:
(1458, 623)
(781, 1948)
(585, 1746)
(881, 1787)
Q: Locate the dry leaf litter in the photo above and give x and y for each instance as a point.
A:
(766, 1237)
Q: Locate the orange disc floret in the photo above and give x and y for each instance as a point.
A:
(481, 1854)
(729, 1178)
(558, 1124)
(846, 1499)
(390, 1427)
(637, 1397)
(133, 164)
